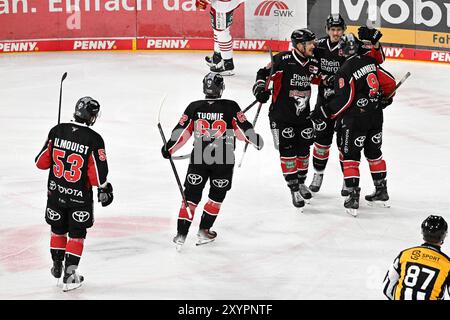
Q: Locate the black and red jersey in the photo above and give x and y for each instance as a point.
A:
(330, 59)
(291, 78)
(215, 124)
(75, 155)
(358, 85)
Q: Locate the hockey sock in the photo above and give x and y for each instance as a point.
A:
(58, 246)
(288, 165)
(224, 42)
(320, 156)
(74, 250)
(351, 173)
(184, 222)
(210, 212)
(377, 168)
(302, 168)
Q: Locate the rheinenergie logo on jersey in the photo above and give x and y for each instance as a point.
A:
(275, 7)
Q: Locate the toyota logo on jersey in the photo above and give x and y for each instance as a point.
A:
(362, 102)
(194, 179)
(377, 138)
(359, 142)
(307, 133)
(321, 126)
(288, 133)
(52, 185)
(81, 216)
(53, 215)
(220, 183)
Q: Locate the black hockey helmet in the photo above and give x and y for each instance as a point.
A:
(302, 36)
(349, 44)
(213, 85)
(86, 110)
(434, 229)
(335, 20)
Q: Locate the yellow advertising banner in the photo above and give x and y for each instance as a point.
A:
(412, 37)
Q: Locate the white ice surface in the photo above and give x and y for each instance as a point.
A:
(264, 249)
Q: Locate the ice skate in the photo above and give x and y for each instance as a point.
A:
(316, 182)
(56, 270)
(225, 68)
(179, 240)
(72, 281)
(205, 236)
(306, 193)
(344, 190)
(214, 60)
(379, 198)
(351, 204)
(297, 200)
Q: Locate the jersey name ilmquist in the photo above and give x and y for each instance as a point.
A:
(71, 146)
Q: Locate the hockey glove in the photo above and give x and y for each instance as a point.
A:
(384, 102)
(105, 194)
(201, 4)
(165, 153)
(373, 35)
(329, 81)
(260, 92)
(320, 114)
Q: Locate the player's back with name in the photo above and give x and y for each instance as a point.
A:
(76, 157)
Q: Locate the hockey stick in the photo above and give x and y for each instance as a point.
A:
(250, 106)
(174, 169)
(259, 106)
(64, 76)
(399, 84)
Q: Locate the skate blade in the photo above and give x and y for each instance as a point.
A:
(71, 287)
(352, 212)
(227, 73)
(179, 246)
(378, 204)
(202, 242)
(300, 210)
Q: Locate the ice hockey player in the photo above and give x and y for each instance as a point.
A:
(289, 111)
(215, 124)
(75, 155)
(221, 20)
(331, 59)
(361, 91)
(421, 272)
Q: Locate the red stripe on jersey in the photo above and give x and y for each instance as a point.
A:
(377, 166)
(58, 241)
(378, 55)
(350, 99)
(277, 78)
(239, 133)
(288, 165)
(92, 171)
(386, 80)
(212, 208)
(303, 162)
(184, 137)
(75, 246)
(321, 152)
(44, 160)
(351, 169)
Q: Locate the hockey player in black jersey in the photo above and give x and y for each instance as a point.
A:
(215, 124)
(75, 155)
(330, 59)
(289, 111)
(421, 272)
(361, 91)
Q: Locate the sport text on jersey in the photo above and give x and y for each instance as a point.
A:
(364, 71)
(71, 146)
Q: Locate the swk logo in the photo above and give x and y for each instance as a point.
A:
(81, 216)
(275, 8)
(288, 133)
(194, 179)
(220, 183)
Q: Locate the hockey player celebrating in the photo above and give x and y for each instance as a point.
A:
(75, 155)
(221, 21)
(421, 272)
(215, 123)
(361, 91)
(289, 110)
(330, 58)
